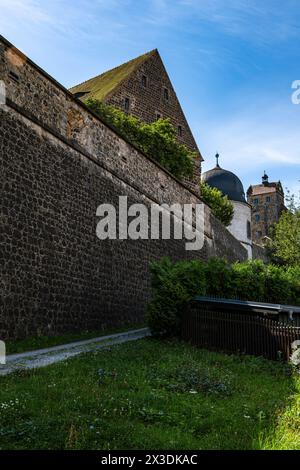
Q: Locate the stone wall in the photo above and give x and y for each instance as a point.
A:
(259, 252)
(59, 163)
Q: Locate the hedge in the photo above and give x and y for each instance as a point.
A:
(174, 284)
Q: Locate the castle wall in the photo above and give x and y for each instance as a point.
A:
(58, 164)
(259, 252)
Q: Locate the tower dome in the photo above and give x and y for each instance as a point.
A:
(226, 181)
(231, 186)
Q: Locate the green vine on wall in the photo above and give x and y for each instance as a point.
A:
(220, 205)
(157, 140)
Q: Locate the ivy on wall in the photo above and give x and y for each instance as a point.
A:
(220, 205)
(157, 140)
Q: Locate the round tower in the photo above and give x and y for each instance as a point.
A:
(231, 186)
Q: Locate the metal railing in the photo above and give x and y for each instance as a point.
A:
(252, 328)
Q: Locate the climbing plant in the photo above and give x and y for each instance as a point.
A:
(220, 205)
(157, 140)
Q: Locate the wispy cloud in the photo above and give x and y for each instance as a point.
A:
(253, 20)
(29, 10)
(262, 137)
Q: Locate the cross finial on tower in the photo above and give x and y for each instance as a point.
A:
(265, 178)
(217, 160)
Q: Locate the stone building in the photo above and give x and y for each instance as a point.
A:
(143, 88)
(231, 186)
(267, 201)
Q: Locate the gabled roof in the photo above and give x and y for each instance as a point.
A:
(101, 86)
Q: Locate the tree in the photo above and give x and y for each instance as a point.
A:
(220, 205)
(292, 201)
(285, 244)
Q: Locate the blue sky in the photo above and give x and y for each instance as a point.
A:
(232, 63)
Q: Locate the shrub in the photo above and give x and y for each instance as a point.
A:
(219, 277)
(293, 275)
(249, 280)
(157, 140)
(174, 284)
(220, 205)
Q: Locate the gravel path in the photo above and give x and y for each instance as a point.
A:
(47, 356)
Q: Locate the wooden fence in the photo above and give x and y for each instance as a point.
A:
(239, 332)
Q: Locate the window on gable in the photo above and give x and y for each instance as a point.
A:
(127, 104)
(166, 94)
(144, 81)
(179, 131)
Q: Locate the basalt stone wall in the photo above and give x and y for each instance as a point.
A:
(259, 252)
(58, 164)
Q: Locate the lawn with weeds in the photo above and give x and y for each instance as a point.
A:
(152, 394)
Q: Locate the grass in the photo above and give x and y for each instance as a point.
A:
(40, 342)
(151, 394)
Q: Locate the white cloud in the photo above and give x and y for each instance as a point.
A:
(29, 10)
(262, 22)
(257, 137)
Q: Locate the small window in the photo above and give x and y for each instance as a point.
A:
(248, 229)
(14, 76)
(158, 116)
(179, 130)
(259, 233)
(144, 81)
(268, 199)
(256, 201)
(257, 217)
(166, 94)
(80, 94)
(127, 104)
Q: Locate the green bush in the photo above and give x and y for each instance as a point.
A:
(157, 140)
(249, 280)
(220, 205)
(219, 278)
(293, 274)
(174, 284)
